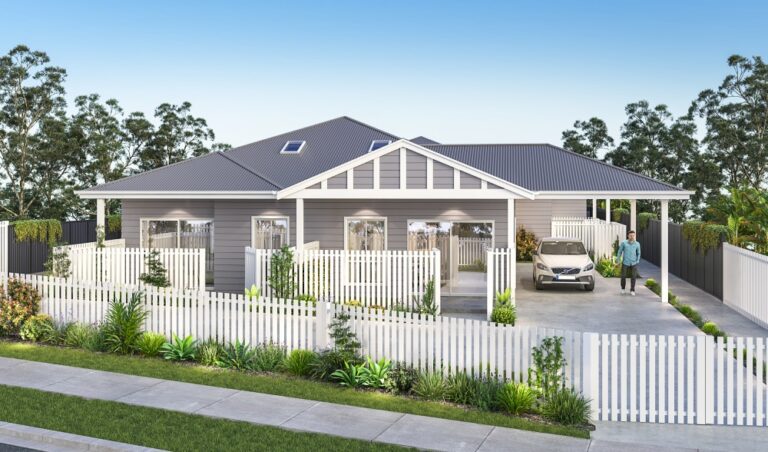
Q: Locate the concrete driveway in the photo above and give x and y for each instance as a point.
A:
(604, 310)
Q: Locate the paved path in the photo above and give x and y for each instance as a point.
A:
(709, 306)
(23, 438)
(341, 420)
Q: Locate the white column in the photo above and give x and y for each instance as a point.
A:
(101, 216)
(299, 223)
(511, 244)
(607, 210)
(594, 207)
(664, 251)
(632, 215)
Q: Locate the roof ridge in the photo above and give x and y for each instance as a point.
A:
(370, 127)
(154, 169)
(277, 186)
(489, 144)
(610, 165)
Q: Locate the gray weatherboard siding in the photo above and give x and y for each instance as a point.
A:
(324, 221)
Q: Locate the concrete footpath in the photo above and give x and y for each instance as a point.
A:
(354, 422)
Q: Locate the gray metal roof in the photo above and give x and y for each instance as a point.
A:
(544, 167)
(423, 140)
(260, 166)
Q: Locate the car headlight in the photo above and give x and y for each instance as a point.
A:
(541, 266)
(589, 267)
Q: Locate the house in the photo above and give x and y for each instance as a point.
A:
(346, 185)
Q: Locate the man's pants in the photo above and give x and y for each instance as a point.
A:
(632, 270)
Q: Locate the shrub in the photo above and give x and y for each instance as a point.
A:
(712, 329)
(58, 263)
(351, 375)
(36, 328)
(268, 357)
(307, 298)
(504, 298)
(460, 388)
(504, 314)
(179, 349)
(608, 268)
(643, 218)
(617, 213)
(430, 386)
(84, 336)
(299, 362)
(18, 302)
(238, 356)
(526, 244)
(546, 375)
(156, 274)
(44, 230)
(653, 285)
(487, 394)
(149, 344)
(328, 361)
(57, 333)
(377, 373)
(426, 305)
(402, 378)
(209, 353)
(122, 324)
(568, 407)
(517, 398)
(704, 236)
(344, 340)
(281, 273)
(691, 314)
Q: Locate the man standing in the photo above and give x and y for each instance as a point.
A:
(629, 256)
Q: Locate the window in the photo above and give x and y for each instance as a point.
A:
(269, 233)
(293, 147)
(365, 234)
(378, 144)
(180, 233)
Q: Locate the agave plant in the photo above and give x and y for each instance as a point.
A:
(180, 349)
(253, 292)
(377, 373)
(352, 375)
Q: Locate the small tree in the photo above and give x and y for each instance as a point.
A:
(281, 273)
(546, 375)
(344, 339)
(426, 305)
(58, 263)
(156, 274)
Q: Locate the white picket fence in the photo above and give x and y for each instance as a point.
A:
(745, 283)
(373, 278)
(597, 235)
(632, 378)
(501, 274)
(123, 266)
(3, 247)
(472, 250)
(116, 243)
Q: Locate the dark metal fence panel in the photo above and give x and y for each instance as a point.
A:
(29, 257)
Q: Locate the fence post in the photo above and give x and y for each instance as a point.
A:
(201, 269)
(436, 267)
(709, 382)
(490, 283)
(321, 325)
(589, 365)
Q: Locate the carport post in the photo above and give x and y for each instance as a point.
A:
(664, 251)
(633, 215)
(608, 210)
(594, 207)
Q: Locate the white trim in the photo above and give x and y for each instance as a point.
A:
(178, 221)
(365, 218)
(396, 193)
(273, 217)
(682, 195)
(351, 179)
(324, 184)
(177, 194)
(404, 145)
(456, 179)
(370, 148)
(298, 151)
(376, 173)
(299, 224)
(483, 184)
(430, 174)
(403, 170)
(511, 229)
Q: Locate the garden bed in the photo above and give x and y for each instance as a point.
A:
(274, 383)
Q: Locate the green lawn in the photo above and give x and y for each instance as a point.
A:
(156, 428)
(278, 384)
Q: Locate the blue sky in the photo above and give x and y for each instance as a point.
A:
(454, 71)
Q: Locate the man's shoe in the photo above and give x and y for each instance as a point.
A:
(632, 293)
(623, 291)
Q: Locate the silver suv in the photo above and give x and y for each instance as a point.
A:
(562, 261)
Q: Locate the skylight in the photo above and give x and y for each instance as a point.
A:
(378, 144)
(293, 147)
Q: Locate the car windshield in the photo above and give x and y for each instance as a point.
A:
(563, 248)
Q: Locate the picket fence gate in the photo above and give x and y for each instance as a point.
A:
(185, 268)
(597, 235)
(373, 278)
(745, 283)
(633, 378)
(472, 250)
(501, 274)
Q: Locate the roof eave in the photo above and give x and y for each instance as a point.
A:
(156, 194)
(680, 195)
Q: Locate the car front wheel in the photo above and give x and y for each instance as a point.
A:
(590, 287)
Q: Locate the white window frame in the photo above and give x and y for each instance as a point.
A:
(178, 221)
(298, 151)
(365, 218)
(272, 217)
(435, 220)
(370, 148)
